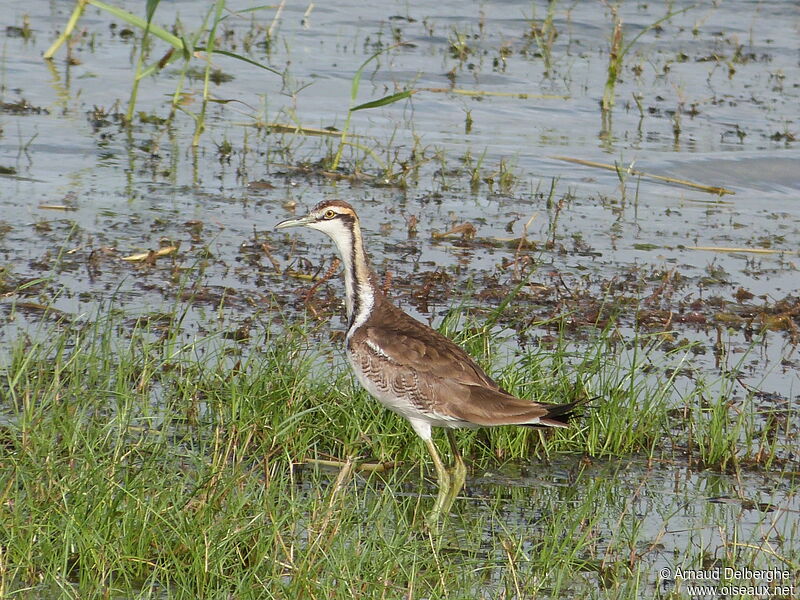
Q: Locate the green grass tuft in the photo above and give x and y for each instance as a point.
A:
(137, 462)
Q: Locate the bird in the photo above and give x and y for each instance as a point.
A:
(412, 369)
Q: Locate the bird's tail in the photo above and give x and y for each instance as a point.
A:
(559, 415)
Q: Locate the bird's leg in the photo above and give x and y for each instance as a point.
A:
(444, 484)
(458, 474)
(459, 471)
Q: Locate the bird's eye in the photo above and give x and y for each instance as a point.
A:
(329, 214)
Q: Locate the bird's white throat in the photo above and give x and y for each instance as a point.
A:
(358, 286)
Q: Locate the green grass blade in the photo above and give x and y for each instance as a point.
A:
(200, 122)
(248, 10)
(68, 29)
(653, 25)
(132, 19)
(152, 5)
(385, 100)
(249, 61)
(353, 95)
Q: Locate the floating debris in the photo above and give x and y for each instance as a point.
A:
(747, 250)
(151, 254)
(721, 191)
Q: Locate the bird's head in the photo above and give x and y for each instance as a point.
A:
(333, 217)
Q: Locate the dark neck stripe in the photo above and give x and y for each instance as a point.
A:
(356, 299)
(362, 293)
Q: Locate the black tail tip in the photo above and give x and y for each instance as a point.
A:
(563, 413)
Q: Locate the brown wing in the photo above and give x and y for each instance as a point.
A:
(487, 407)
(407, 342)
(441, 393)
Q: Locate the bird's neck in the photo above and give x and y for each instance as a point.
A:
(361, 293)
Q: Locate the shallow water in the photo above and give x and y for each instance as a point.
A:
(664, 511)
(719, 90)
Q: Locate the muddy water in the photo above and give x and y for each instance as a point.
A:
(710, 95)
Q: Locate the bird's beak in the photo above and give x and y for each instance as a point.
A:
(299, 222)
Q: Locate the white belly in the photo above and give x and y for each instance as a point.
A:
(420, 420)
(398, 404)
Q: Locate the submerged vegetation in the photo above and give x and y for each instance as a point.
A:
(176, 418)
